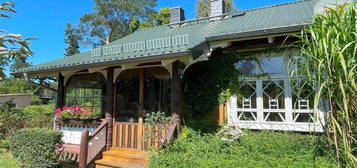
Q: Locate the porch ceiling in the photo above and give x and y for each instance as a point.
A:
(189, 38)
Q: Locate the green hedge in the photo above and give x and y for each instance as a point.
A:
(39, 116)
(255, 150)
(35, 148)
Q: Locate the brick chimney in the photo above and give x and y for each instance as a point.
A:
(177, 15)
(217, 8)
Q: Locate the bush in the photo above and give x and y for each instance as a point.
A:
(35, 148)
(39, 116)
(263, 149)
(11, 119)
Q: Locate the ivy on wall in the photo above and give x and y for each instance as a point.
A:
(209, 83)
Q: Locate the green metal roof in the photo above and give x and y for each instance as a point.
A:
(189, 37)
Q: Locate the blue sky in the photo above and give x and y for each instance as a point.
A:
(46, 19)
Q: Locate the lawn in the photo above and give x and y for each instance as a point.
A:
(254, 150)
(6, 160)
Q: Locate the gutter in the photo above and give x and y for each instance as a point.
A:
(259, 32)
(107, 63)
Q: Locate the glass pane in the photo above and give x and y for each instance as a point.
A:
(273, 94)
(127, 96)
(273, 65)
(157, 90)
(82, 89)
(302, 95)
(274, 117)
(304, 117)
(247, 98)
(247, 116)
(246, 67)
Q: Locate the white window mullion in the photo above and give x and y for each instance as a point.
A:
(260, 115)
(288, 102)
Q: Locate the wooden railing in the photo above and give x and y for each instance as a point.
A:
(141, 136)
(92, 146)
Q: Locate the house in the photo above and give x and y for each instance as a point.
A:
(17, 100)
(142, 72)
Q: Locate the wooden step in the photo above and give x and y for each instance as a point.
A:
(115, 164)
(122, 158)
(125, 157)
(126, 150)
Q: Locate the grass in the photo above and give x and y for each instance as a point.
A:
(6, 160)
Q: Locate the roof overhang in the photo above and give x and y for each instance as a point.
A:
(54, 70)
(259, 32)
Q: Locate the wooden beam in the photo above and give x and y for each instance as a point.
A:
(60, 97)
(109, 103)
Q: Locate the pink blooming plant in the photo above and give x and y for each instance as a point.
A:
(77, 112)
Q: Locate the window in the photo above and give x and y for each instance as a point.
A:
(273, 101)
(246, 67)
(86, 90)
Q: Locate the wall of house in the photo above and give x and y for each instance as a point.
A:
(19, 100)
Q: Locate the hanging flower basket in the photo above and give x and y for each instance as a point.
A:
(78, 114)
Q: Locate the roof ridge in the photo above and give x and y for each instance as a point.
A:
(247, 10)
(276, 5)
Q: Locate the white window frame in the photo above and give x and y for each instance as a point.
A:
(289, 124)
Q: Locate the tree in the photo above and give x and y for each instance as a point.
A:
(111, 20)
(19, 63)
(73, 36)
(11, 45)
(156, 19)
(203, 7)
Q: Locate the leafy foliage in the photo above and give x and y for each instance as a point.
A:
(111, 19)
(329, 54)
(157, 118)
(35, 148)
(11, 119)
(73, 37)
(255, 150)
(39, 116)
(77, 112)
(212, 82)
(11, 45)
(203, 7)
(14, 85)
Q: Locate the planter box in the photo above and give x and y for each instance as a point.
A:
(72, 129)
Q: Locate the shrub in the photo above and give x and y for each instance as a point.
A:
(10, 119)
(35, 148)
(263, 149)
(39, 116)
(39, 110)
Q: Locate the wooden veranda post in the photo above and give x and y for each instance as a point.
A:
(175, 94)
(83, 153)
(109, 103)
(60, 96)
(141, 108)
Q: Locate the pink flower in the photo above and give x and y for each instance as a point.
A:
(58, 112)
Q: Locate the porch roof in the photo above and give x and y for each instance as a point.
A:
(189, 38)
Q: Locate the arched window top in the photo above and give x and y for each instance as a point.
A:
(93, 80)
